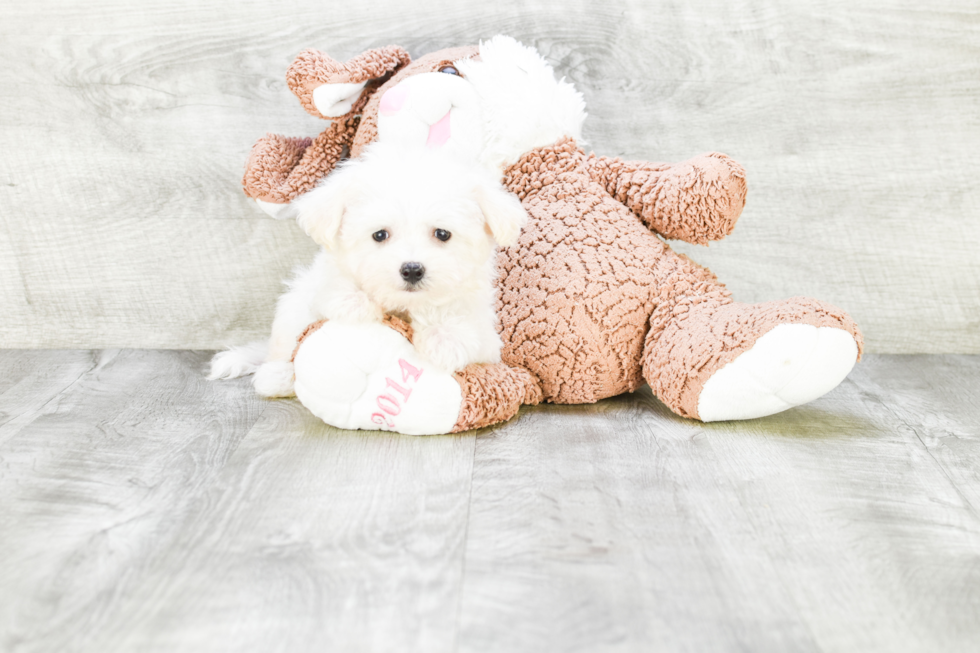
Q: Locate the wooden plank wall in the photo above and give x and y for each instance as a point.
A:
(124, 128)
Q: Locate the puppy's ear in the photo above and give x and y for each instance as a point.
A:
(321, 211)
(503, 212)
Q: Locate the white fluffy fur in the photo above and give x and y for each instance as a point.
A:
(523, 106)
(238, 361)
(354, 279)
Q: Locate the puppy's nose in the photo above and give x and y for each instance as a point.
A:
(412, 272)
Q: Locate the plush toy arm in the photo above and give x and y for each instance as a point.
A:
(698, 200)
(280, 169)
(329, 89)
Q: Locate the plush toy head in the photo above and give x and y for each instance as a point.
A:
(440, 72)
(495, 107)
(281, 168)
(460, 100)
(491, 104)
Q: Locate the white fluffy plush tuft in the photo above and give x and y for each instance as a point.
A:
(524, 106)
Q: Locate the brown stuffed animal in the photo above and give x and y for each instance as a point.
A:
(591, 301)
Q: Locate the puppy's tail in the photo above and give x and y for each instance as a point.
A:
(238, 361)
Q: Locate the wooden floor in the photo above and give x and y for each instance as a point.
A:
(143, 508)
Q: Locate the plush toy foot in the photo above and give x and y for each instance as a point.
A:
(369, 376)
(738, 361)
(790, 365)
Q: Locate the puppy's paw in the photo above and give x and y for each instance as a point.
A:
(353, 307)
(237, 361)
(275, 379)
(445, 348)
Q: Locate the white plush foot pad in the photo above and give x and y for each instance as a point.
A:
(277, 211)
(367, 376)
(788, 366)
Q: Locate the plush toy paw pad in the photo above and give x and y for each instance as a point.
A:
(790, 365)
(368, 376)
(276, 211)
(274, 379)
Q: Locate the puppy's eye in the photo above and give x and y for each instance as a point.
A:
(442, 235)
(450, 70)
(380, 236)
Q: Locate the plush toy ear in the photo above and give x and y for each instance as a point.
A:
(503, 212)
(329, 89)
(335, 100)
(321, 211)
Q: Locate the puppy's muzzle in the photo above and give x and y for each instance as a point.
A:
(412, 272)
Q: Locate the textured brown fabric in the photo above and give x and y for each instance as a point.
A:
(575, 292)
(590, 300)
(307, 332)
(493, 393)
(694, 334)
(698, 200)
(280, 169)
(401, 326)
(313, 68)
(430, 63)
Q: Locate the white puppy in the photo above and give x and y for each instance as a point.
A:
(405, 231)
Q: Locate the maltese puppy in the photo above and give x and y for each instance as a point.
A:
(410, 232)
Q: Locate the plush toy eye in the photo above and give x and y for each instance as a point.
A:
(442, 235)
(450, 70)
(380, 236)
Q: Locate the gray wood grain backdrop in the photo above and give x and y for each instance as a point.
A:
(124, 127)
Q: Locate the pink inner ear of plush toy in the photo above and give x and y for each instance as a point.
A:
(392, 100)
(439, 132)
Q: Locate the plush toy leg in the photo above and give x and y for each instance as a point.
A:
(280, 168)
(718, 360)
(369, 376)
